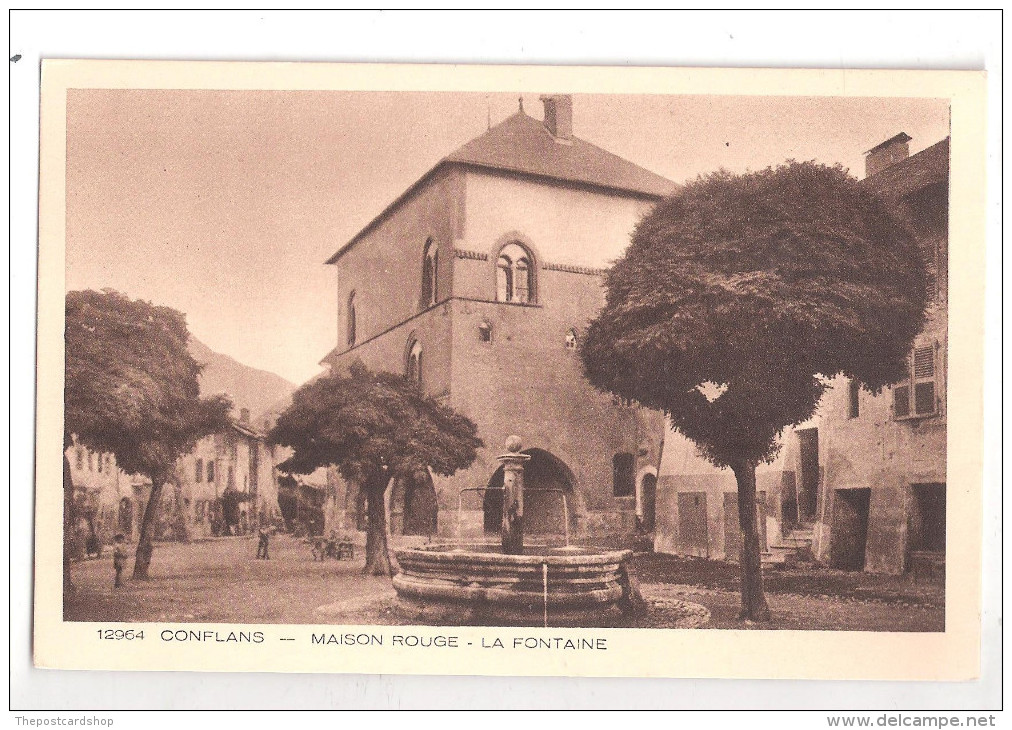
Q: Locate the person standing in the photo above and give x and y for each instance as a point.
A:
(119, 557)
(264, 544)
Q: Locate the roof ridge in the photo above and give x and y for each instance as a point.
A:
(521, 144)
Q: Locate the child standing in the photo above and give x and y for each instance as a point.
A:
(119, 556)
(265, 539)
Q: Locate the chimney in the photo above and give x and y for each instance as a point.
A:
(559, 115)
(887, 154)
(244, 415)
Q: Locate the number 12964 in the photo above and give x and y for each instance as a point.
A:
(120, 634)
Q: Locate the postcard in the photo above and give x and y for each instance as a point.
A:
(510, 370)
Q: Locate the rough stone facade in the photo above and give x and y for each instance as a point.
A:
(244, 463)
(511, 366)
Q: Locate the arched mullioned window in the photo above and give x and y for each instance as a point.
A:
(430, 274)
(514, 275)
(413, 367)
(352, 316)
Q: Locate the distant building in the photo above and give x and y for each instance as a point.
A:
(228, 482)
(477, 281)
(225, 485)
(106, 498)
(862, 484)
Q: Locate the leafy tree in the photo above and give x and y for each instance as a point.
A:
(374, 427)
(739, 297)
(131, 389)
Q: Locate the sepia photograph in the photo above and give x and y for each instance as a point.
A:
(647, 368)
(532, 359)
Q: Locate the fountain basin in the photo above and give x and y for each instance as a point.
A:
(478, 583)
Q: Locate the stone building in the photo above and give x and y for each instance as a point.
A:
(477, 281)
(228, 482)
(862, 484)
(107, 499)
(234, 462)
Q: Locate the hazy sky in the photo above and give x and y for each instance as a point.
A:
(225, 204)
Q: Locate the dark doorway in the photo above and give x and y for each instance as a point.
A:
(546, 480)
(692, 534)
(808, 491)
(648, 501)
(850, 528)
(927, 518)
(414, 508)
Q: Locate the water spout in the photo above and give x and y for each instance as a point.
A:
(544, 581)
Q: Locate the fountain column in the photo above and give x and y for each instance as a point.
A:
(513, 497)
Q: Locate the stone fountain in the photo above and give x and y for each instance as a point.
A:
(510, 583)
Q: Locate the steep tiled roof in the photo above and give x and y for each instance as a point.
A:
(927, 167)
(522, 145)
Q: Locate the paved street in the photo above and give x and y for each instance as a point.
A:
(220, 581)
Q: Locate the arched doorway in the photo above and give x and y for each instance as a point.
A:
(648, 502)
(414, 508)
(546, 480)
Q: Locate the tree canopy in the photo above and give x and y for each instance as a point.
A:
(736, 301)
(132, 389)
(741, 294)
(373, 421)
(373, 426)
(131, 384)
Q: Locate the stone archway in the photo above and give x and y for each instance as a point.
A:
(646, 499)
(414, 506)
(546, 480)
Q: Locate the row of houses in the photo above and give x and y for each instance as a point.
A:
(227, 485)
(507, 239)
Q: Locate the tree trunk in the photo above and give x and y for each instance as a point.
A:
(182, 529)
(377, 559)
(69, 527)
(753, 601)
(146, 540)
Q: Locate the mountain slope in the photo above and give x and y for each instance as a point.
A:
(257, 390)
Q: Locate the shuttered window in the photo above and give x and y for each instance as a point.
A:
(930, 251)
(924, 380)
(854, 406)
(918, 395)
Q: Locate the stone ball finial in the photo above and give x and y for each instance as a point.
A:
(513, 444)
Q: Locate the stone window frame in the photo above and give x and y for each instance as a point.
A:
(853, 398)
(430, 274)
(923, 369)
(414, 362)
(572, 339)
(515, 238)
